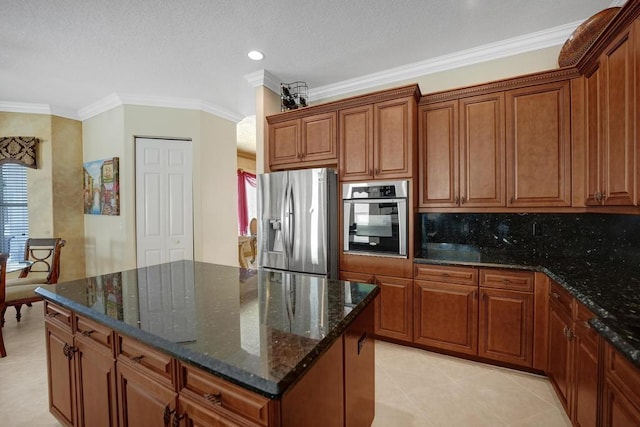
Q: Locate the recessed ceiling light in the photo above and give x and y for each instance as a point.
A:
(255, 55)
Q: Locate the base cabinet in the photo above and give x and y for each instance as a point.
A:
(620, 391)
(81, 366)
(393, 306)
(446, 316)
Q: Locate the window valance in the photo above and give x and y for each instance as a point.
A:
(20, 150)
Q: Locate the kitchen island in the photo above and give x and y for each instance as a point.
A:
(191, 343)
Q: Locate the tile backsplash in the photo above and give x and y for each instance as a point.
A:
(584, 236)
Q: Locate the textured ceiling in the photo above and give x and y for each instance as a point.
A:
(70, 54)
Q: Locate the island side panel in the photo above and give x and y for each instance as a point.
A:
(318, 398)
(359, 370)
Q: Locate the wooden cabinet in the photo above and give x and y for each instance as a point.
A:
(393, 306)
(584, 411)
(559, 360)
(573, 363)
(461, 152)
(505, 330)
(377, 141)
(611, 105)
(61, 369)
(538, 144)
(81, 368)
(310, 140)
(446, 308)
(621, 391)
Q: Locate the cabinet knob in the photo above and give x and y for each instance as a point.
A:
(87, 333)
(68, 350)
(462, 200)
(214, 398)
(555, 295)
(176, 420)
(457, 200)
(136, 359)
(511, 200)
(377, 171)
(167, 415)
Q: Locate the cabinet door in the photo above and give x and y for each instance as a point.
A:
(96, 383)
(594, 147)
(618, 120)
(482, 162)
(319, 137)
(585, 379)
(284, 142)
(506, 326)
(394, 138)
(438, 151)
(446, 316)
(538, 126)
(142, 401)
(394, 317)
(62, 389)
(617, 408)
(356, 143)
(559, 352)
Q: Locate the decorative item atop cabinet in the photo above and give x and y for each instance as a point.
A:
(293, 95)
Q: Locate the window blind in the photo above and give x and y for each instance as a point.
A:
(13, 210)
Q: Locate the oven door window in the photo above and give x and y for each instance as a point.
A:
(376, 227)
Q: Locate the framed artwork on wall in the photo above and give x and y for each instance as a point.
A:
(102, 187)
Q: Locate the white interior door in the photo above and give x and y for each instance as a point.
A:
(164, 200)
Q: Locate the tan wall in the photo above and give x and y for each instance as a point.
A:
(111, 243)
(68, 215)
(55, 188)
(247, 162)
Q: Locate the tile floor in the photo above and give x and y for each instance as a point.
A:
(413, 387)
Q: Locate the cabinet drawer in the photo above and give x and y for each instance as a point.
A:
(154, 363)
(60, 316)
(221, 395)
(94, 331)
(561, 297)
(507, 279)
(447, 274)
(623, 373)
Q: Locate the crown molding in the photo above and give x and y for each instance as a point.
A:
(264, 78)
(24, 107)
(115, 100)
(534, 41)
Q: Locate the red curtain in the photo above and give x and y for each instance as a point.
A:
(244, 179)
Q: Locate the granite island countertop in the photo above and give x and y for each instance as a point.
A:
(610, 289)
(259, 329)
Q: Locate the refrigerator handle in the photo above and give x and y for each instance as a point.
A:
(284, 220)
(292, 219)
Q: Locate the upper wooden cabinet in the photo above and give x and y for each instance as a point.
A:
(538, 123)
(377, 141)
(611, 108)
(461, 150)
(308, 140)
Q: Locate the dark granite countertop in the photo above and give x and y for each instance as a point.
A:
(259, 329)
(608, 288)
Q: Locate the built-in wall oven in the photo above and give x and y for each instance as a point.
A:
(375, 218)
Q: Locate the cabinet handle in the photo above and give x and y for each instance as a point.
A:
(68, 350)
(87, 333)
(462, 200)
(137, 359)
(214, 398)
(457, 200)
(587, 325)
(167, 415)
(52, 315)
(555, 295)
(511, 200)
(377, 171)
(570, 334)
(371, 172)
(176, 420)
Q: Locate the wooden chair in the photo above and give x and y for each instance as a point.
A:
(253, 230)
(3, 276)
(44, 253)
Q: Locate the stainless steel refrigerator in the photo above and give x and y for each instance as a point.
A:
(297, 221)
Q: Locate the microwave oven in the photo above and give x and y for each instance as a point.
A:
(375, 218)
